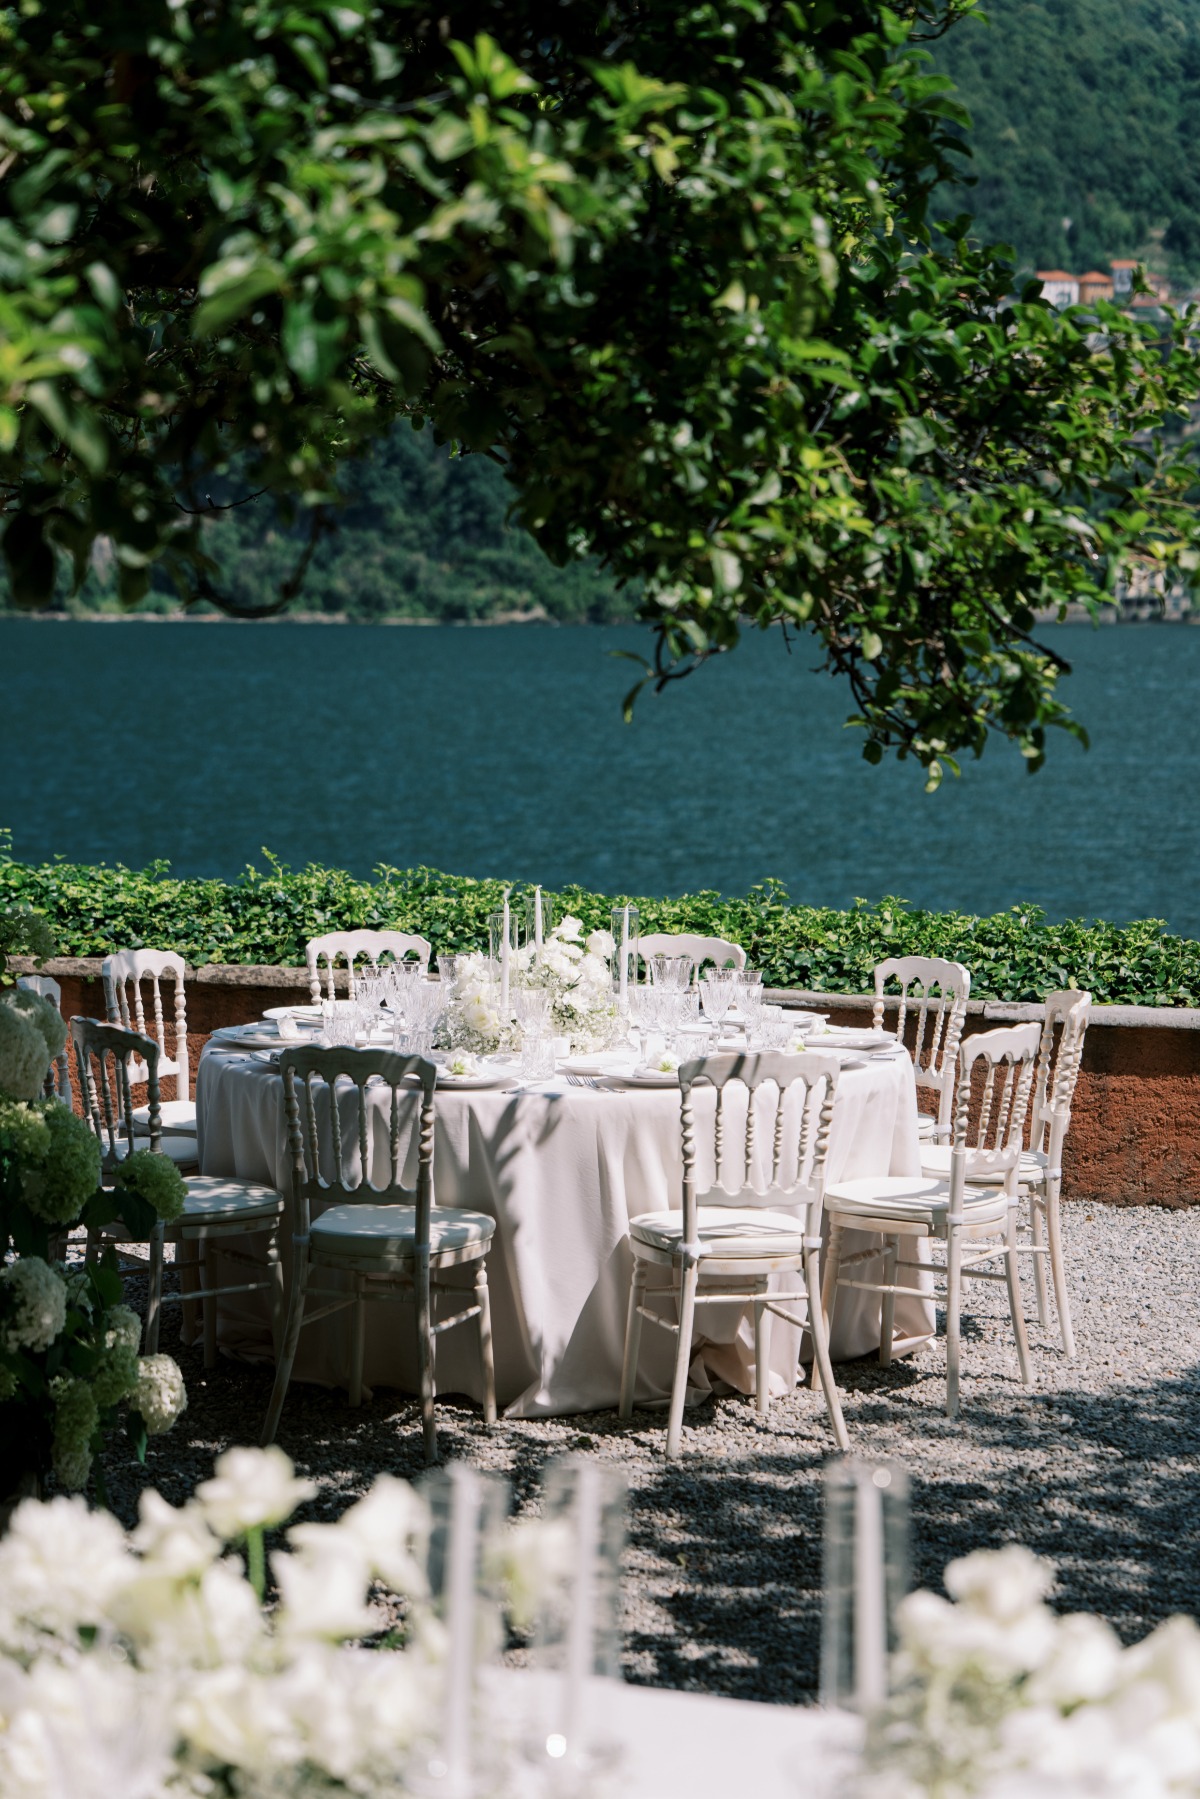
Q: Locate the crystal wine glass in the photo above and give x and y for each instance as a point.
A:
(716, 996)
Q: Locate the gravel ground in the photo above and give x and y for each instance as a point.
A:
(1096, 1467)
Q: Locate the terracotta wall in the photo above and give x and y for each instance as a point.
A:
(1135, 1127)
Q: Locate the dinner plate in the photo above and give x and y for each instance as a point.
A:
(475, 1083)
(843, 1037)
(605, 1061)
(302, 1014)
(652, 1077)
(239, 1036)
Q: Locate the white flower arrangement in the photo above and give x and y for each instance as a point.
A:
(579, 978)
(159, 1644)
(472, 1020)
(998, 1697)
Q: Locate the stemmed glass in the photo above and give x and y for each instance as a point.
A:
(750, 995)
(716, 996)
(367, 985)
(671, 972)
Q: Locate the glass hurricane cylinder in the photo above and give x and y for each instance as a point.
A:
(540, 919)
(576, 1643)
(624, 922)
(467, 1510)
(865, 1578)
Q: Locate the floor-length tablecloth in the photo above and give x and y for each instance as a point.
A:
(562, 1169)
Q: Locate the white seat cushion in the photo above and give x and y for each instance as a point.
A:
(181, 1150)
(728, 1231)
(935, 1162)
(213, 1196)
(926, 1127)
(177, 1115)
(913, 1198)
(391, 1231)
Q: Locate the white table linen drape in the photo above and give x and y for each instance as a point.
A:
(562, 1169)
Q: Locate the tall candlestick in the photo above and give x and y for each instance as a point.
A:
(504, 962)
(460, 1631)
(537, 919)
(624, 981)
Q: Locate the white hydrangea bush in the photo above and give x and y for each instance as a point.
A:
(146, 1665)
(995, 1696)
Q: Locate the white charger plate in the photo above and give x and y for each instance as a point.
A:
(302, 1014)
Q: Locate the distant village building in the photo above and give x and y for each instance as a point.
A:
(1064, 289)
(1095, 286)
(1058, 287)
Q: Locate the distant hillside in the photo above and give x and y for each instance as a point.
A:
(422, 535)
(1085, 111)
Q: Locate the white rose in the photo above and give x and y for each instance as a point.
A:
(190, 1624)
(322, 1590)
(479, 1017)
(125, 1746)
(176, 1539)
(601, 943)
(570, 930)
(390, 1528)
(1005, 1584)
(60, 1568)
(1084, 1663)
(230, 1715)
(251, 1487)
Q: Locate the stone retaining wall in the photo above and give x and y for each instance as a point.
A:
(1135, 1126)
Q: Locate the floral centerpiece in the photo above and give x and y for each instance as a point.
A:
(69, 1363)
(576, 973)
(998, 1696)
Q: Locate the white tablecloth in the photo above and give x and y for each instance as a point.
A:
(672, 1745)
(562, 1169)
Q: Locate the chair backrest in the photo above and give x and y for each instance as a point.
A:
(774, 1159)
(58, 1081)
(989, 1143)
(937, 992)
(329, 1122)
(123, 973)
(355, 945)
(1063, 1030)
(103, 1054)
(687, 943)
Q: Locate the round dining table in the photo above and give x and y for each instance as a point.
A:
(562, 1166)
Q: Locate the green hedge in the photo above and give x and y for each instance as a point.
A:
(267, 915)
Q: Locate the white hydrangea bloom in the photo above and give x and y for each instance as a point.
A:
(160, 1395)
(24, 1059)
(61, 1565)
(251, 1488)
(34, 1304)
(122, 1329)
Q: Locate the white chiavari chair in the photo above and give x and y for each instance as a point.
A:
(725, 1243)
(716, 950)
(350, 947)
(933, 994)
(124, 973)
(1060, 1053)
(391, 1242)
(58, 1081)
(217, 1211)
(976, 1223)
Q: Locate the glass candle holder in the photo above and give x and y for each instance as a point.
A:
(866, 1576)
(624, 922)
(541, 916)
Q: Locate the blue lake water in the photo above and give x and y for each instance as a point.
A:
(503, 752)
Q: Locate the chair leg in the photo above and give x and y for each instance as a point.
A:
(953, 1317)
(486, 1358)
(277, 1295)
(633, 1338)
(291, 1336)
(154, 1289)
(762, 1354)
(833, 1263)
(822, 1362)
(358, 1341)
(1037, 1231)
(186, 1262)
(210, 1304)
(1059, 1271)
(1013, 1275)
(683, 1357)
(887, 1315)
(425, 1355)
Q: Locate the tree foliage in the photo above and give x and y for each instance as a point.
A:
(269, 915)
(669, 267)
